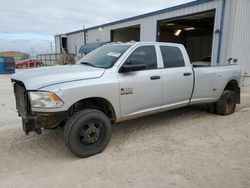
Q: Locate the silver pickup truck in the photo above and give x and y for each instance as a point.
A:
(119, 82)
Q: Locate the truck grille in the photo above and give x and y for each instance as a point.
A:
(22, 103)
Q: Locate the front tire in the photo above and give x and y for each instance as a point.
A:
(87, 133)
(227, 103)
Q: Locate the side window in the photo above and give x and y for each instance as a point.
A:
(172, 57)
(146, 54)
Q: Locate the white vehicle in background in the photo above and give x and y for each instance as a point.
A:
(119, 82)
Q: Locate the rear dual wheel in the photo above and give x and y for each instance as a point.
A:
(87, 133)
(227, 103)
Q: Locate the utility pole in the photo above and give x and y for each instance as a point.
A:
(51, 50)
(32, 51)
(84, 35)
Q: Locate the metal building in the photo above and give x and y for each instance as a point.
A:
(214, 29)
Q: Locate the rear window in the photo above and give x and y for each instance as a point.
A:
(172, 57)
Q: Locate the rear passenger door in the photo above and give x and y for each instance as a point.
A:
(177, 77)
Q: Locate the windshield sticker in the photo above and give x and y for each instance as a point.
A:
(113, 54)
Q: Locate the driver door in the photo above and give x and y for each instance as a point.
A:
(141, 90)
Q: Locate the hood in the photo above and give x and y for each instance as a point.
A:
(37, 78)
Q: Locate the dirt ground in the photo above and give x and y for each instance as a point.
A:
(182, 148)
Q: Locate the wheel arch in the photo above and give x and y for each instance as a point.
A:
(97, 103)
(233, 85)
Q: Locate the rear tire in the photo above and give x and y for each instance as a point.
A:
(87, 133)
(227, 103)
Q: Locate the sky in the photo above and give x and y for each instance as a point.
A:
(30, 25)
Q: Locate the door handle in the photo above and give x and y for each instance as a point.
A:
(155, 77)
(187, 74)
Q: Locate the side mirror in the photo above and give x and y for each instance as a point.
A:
(134, 65)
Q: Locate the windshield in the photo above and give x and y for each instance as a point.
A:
(104, 57)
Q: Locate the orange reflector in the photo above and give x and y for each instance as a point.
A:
(54, 97)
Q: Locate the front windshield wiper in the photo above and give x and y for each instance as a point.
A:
(87, 63)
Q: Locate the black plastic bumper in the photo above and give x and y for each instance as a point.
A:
(39, 121)
(29, 125)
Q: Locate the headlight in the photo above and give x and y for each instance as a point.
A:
(44, 100)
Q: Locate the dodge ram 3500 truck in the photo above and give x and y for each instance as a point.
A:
(119, 82)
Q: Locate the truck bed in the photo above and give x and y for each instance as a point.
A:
(210, 81)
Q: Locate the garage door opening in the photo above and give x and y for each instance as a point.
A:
(126, 34)
(195, 32)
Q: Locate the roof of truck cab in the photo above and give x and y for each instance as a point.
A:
(144, 43)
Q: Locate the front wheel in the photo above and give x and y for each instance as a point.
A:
(87, 133)
(227, 103)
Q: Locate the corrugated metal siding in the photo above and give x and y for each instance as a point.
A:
(241, 38)
(57, 43)
(95, 35)
(216, 36)
(235, 35)
(75, 41)
(227, 31)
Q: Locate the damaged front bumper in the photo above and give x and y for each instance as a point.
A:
(29, 125)
(34, 121)
(40, 121)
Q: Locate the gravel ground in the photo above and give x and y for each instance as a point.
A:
(182, 148)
